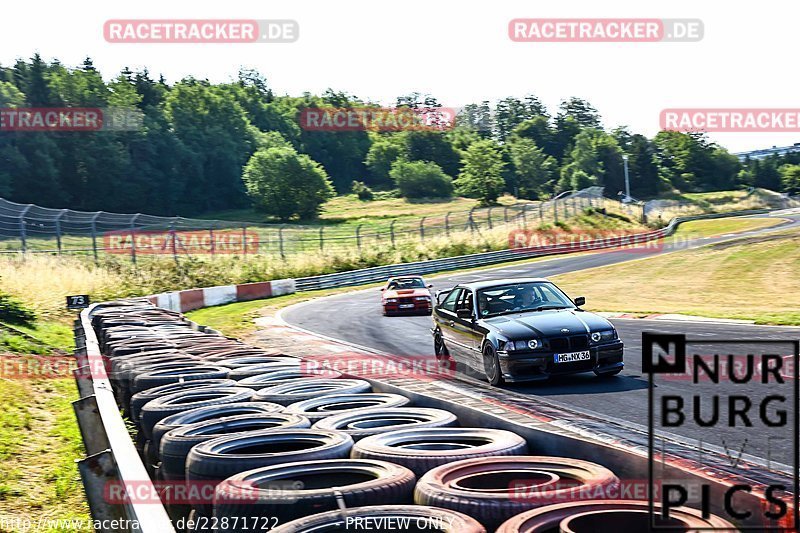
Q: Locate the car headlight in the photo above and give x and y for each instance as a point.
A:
(422, 298)
(603, 336)
(391, 300)
(511, 346)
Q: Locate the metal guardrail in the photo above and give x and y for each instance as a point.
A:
(111, 456)
(381, 273)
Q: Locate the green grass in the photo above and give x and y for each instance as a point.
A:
(751, 279)
(348, 209)
(721, 226)
(54, 334)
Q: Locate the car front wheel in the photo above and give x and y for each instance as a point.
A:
(491, 366)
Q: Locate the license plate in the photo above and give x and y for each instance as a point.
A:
(571, 357)
(406, 306)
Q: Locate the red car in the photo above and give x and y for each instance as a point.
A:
(406, 294)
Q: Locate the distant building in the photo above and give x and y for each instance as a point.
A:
(765, 152)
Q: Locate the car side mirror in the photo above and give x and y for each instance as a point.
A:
(580, 300)
(383, 289)
(464, 313)
(430, 285)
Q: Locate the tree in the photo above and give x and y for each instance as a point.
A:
(385, 150)
(421, 179)
(283, 183)
(511, 112)
(790, 178)
(534, 170)
(482, 172)
(431, 146)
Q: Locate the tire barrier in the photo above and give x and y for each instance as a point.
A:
(409, 518)
(203, 414)
(165, 376)
(423, 449)
(280, 377)
(316, 409)
(216, 460)
(236, 360)
(305, 389)
(140, 398)
(363, 423)
(609, 515)
(493, 489)
(294, 490)
(163, 406)
(175, 445)
(247, 371)
(258, 430)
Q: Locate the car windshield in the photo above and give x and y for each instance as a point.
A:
(521, 297)
(406, 283)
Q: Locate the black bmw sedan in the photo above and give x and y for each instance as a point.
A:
(522, 330)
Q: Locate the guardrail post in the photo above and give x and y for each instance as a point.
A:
(391, 231)
(541, 213)
(94, 235)
(98, 472)
(133, 237)
(489, 217)
(358, 237)
(524, 217)
(321, 238)
(555, 211)
(471, 220)
(212, 239)
(447, 224)
(22, 232)
(280, 242)
(505, 214)
(58, 229)
(174, 238)
(422, 229)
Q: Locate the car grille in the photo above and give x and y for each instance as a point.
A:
(573, 343)
(406, 300)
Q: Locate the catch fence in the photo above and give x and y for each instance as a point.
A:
(30, 228)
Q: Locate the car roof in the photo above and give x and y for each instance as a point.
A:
(405, 277)
(475, 285)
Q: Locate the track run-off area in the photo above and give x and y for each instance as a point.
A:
(355, 318)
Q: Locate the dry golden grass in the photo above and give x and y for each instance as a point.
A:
(42, 282)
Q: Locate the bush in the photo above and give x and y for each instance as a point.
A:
(421, 179)
(362, 191)
(283, 183)
(14, 312)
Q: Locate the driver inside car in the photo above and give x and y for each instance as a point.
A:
(526, 300)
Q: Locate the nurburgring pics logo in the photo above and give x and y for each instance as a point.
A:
(611, 30)
(200, 31)
(740, 402)
(730, 120)
(377, 118)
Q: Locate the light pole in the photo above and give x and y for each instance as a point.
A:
(627, 180)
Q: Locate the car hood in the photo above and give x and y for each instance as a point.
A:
(406, 293)
(546, 323)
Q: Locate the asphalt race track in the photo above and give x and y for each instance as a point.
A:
(356, 318)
